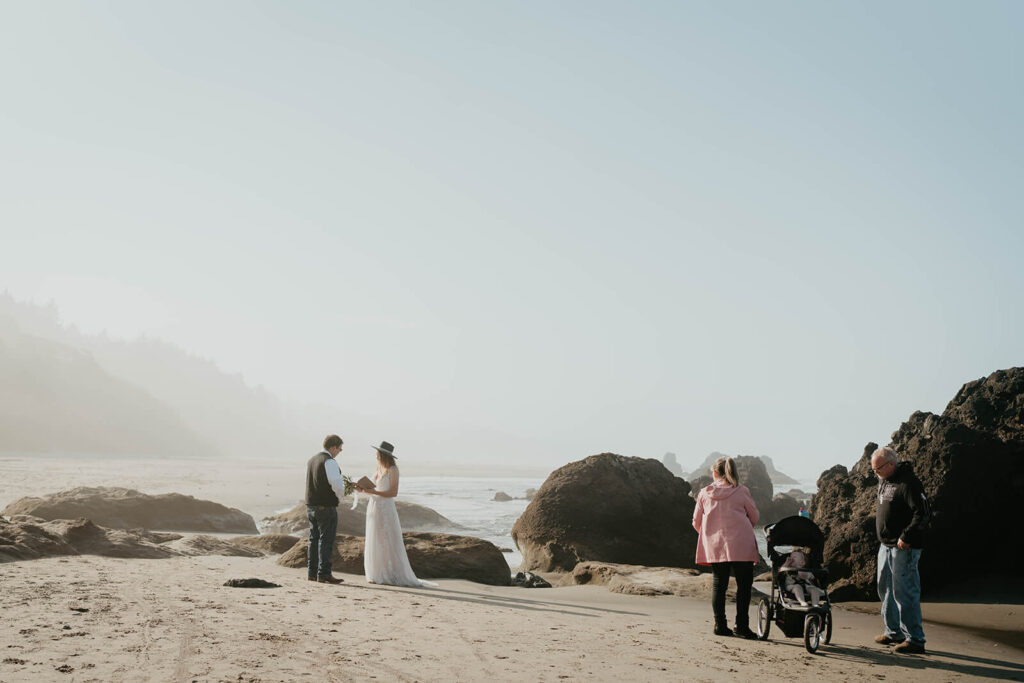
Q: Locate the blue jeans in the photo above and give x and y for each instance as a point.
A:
(899, 588)
(323, 527)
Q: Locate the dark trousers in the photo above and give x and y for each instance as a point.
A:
(323, 527)
(744, 573)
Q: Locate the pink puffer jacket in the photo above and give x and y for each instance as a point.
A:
(725, 517)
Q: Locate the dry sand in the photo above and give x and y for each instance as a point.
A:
(173, 620)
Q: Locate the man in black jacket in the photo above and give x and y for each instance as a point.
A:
(325, 487)
(901, 520)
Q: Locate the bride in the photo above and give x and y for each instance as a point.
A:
(384, 558)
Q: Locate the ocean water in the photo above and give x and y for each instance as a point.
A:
(469, 502)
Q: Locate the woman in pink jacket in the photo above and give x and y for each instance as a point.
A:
(724, 517)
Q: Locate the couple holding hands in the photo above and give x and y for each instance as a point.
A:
(384, 558)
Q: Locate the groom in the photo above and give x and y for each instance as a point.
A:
(324, 488)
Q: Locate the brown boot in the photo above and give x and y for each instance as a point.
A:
(329, 579)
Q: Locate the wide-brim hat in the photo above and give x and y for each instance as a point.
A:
(385, 447)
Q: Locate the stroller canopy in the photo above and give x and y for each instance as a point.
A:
(795, 531)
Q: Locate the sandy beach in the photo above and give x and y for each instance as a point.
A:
(91, 618)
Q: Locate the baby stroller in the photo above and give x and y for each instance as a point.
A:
(813, 621)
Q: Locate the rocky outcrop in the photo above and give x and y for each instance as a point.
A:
(432, 556)
(502, 497)
(671, 464)
(412, 517)
(30, 538)
(639, 580)
(610, 508)
(971, 462)
(121, 508)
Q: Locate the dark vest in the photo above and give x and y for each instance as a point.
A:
(318, 488)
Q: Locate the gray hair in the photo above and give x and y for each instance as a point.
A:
(888, 453)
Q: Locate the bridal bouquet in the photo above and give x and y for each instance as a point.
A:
(350, 490)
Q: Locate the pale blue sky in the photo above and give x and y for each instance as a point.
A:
(530, 232)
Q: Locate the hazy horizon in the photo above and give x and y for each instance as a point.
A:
(515, 236)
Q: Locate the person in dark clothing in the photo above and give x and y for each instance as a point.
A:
(325, 487)
(901, 522)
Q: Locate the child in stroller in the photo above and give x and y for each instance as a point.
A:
(795, 547)
(800, 584)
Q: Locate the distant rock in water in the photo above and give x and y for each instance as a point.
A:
(778, 478)
(669, 461)
(121, 508)
(412, 517)
(530, 493)
(502, 497)
(432, 556)
(610, 508)
(971, 462)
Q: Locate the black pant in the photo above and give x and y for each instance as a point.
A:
(744, 573)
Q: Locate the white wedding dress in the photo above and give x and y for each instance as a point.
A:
(384, 558)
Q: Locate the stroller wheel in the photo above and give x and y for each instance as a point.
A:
(812, 632)
(764, 619)
(828, 628)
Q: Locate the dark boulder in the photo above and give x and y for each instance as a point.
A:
(502, 497)
(608, 508)
(432, 556)
(971, 462)
(121, 508)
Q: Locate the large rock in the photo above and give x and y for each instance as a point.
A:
(121, 508)
(609, 508)
(412, 517)
(971, 462)
(432, 556)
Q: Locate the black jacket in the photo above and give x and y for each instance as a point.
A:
(903, 510)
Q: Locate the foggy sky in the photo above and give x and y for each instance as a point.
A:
(497, 234)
